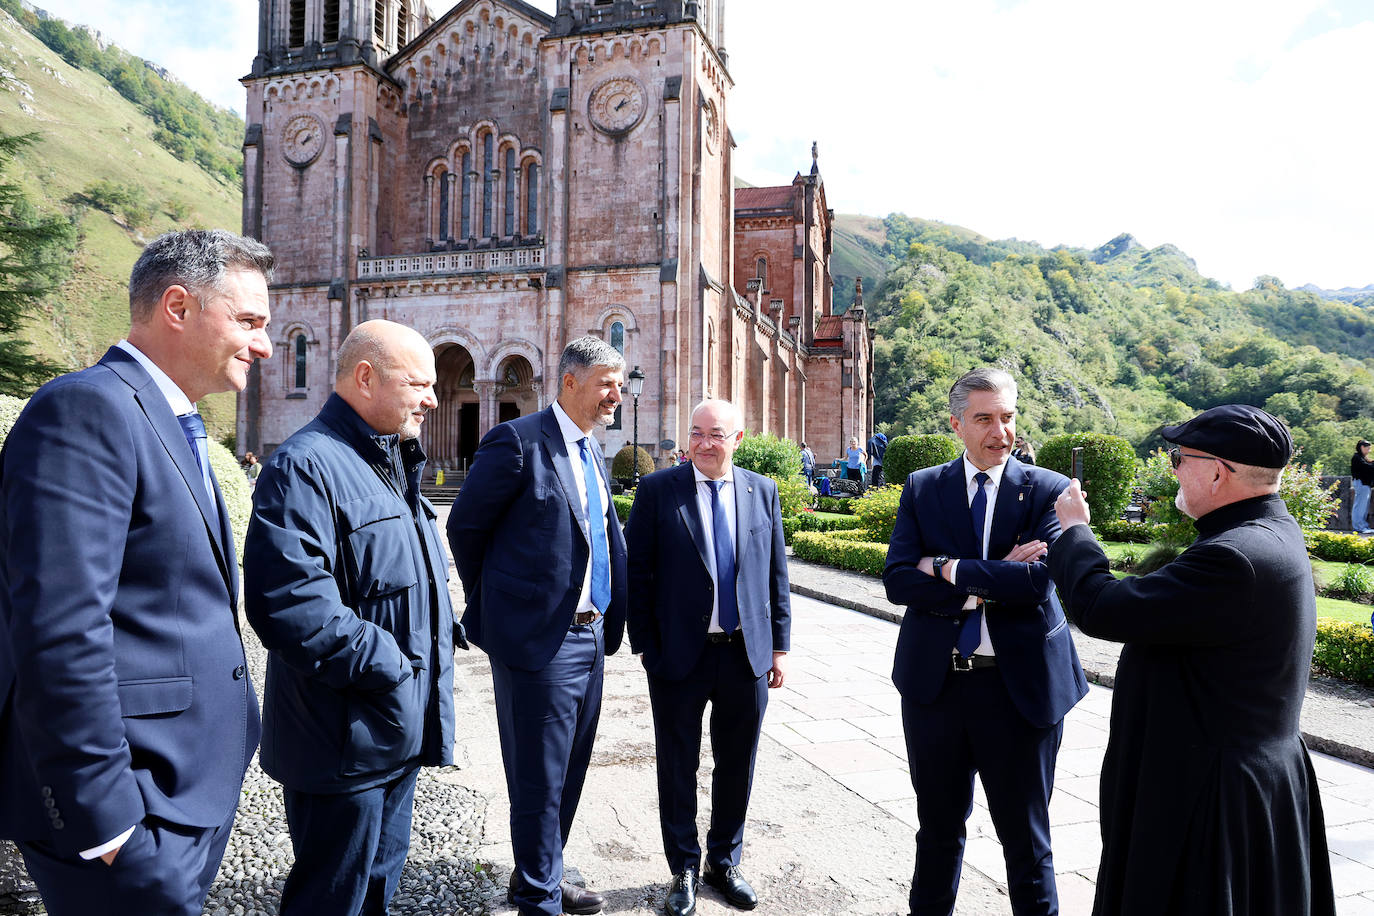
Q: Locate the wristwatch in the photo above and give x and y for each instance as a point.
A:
(939, 563)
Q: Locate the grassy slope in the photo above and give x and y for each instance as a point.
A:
(88, 132)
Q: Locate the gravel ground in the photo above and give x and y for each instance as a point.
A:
(441, 876)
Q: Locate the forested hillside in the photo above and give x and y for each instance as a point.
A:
(1118, 340)
(121, 170)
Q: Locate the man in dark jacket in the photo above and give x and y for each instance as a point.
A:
(347, 585)
(877, 448)
(1209, 801)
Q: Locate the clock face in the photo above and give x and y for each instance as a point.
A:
(302, 139)
(710, 124)
(616, 105)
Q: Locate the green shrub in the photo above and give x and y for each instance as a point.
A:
(810, 521)
(238, 496)
(833, 551)
(836, 504)
(911, 453)
(852, 534)
(1310, 504)
(1157, 557)
(1128, 559)
(622, 469)
(623, 502)
(767, 454)
(878, 511)
(10, 408)
(1114, 529)
(1354, 582)
(793, 494)
(1345, 650)
(1109, 468)
(1340, 548)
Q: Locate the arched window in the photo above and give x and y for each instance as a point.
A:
(762, 274)
(331, 21)
(299, 346)
(296, 25)
(444, 184)
(466, 220)
(532, 199)
(402, 15)
(618, 336)
(488, 184)
(512, 176)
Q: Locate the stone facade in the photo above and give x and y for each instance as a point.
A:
(503, 180)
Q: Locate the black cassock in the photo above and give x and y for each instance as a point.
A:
(1209, 802)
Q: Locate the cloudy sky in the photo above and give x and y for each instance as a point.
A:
(1236, 129)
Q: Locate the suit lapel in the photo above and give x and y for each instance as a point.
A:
(954, 503)
(563, 466)
(744, 514)
(1013, 500)
(685, 489)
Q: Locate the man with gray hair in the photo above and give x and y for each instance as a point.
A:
(127, 719)
(984, 662)
(346, 584)
(540, 552)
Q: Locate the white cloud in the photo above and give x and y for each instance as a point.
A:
(1232, 128)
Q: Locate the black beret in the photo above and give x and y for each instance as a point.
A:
(1238, 432)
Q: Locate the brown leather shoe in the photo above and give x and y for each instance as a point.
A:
(577, 901)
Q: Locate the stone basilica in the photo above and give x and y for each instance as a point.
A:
(503, 181)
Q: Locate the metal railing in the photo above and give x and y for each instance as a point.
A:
(451, 262)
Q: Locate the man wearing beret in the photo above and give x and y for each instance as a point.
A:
(1208, 798)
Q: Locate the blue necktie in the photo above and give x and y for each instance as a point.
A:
(193, 427)
(971, 634)
(727, 611)
(596, 528)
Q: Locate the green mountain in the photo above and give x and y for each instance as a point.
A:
(103, 160)
(1121, 340)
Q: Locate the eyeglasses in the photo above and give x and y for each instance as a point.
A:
(697, 435)
(1176, 458)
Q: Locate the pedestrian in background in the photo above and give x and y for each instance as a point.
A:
(877, 447)
(346, 583)
(854, 462)
(1022, 451)
(1361, 482)
(808, 460)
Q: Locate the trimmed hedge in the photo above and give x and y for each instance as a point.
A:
(836, 504)
(1109, 468)
(852, 534)
(622, 469)
(805, 521)
(1125, 532)
(622, 505)
(1345, 650)
(859, 556)
(911, 453)
(1340, 548)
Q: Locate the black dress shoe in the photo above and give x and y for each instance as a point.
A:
(682, 895)
(577, 901)
(732, 884)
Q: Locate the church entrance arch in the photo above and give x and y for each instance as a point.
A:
(515, 394)
(452, 431)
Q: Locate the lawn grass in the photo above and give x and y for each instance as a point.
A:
(1323, 571)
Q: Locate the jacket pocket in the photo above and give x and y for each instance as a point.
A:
(385, 729)
(379, 566)
(495, 578)
(154, 696)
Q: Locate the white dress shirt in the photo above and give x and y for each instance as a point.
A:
(573, 436)
(990, 491)
(727, 504)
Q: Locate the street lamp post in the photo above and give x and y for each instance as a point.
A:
(635, 382)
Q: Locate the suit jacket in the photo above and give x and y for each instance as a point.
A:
(522, 547)
(670, 572)
(1030, 635)
(123, 683)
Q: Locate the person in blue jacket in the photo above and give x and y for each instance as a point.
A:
(347, 585)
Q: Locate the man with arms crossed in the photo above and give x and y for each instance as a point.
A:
(542, 558)
(709, 610)
(127, 718)
(347, 585)
(1209, 801)
(984, 661)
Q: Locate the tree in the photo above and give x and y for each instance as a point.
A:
(35, 254)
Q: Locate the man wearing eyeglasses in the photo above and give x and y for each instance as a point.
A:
(1209, 801)
(709, 610)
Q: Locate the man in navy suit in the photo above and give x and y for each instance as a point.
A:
(541, 555)
(984, 661)
(127, 719)
(709, 610)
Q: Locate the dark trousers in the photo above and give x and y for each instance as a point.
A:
(161, 870)
(350, 848)
(973, 726)
(547, 722)
(738, 699)
(876, 476)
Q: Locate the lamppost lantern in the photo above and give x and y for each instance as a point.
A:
(635, 384)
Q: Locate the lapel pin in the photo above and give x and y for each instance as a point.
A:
(1020, 497)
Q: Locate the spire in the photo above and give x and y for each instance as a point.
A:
(815, 155)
